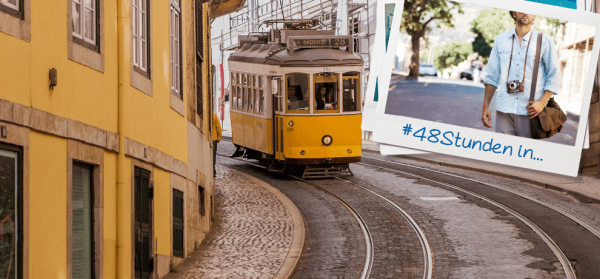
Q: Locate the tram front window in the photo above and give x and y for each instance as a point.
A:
(297, 92)
(351, 94)
(326, 92)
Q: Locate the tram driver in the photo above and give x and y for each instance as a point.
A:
(293, 101)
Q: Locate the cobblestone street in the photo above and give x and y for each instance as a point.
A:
(250, 237)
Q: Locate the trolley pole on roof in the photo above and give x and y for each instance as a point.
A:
(341, 26)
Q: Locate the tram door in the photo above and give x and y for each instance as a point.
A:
(278, 105)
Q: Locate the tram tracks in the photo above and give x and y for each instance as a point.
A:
(369, 246)
(564, 261)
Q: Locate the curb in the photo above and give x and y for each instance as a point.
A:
(578, 196)
(295, 251)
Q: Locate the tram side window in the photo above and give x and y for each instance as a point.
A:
(239, 91)
(250, 98)
(351, 93)
(297, 92)
(326, 91)
(233, 91)
(261, 95)
(245, 98)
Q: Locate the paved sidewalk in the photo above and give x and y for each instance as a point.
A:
(259, 233)
(585, 188)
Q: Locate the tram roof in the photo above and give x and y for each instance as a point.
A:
(279, 54)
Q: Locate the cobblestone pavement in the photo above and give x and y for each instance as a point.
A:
(251, 237)
(469, 237)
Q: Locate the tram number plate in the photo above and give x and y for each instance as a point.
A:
(340, 42)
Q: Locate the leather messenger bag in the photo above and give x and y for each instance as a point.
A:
(550, 121)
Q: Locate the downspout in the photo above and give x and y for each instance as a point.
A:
(123, 257)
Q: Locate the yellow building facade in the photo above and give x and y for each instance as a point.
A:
(105, 144)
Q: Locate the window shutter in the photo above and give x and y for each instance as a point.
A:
(82, 222)
(177, 223)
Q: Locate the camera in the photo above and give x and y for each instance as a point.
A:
(514, 86)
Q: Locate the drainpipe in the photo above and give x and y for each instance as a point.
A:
(123, 198)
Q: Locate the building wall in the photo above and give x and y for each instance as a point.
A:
(100, 108)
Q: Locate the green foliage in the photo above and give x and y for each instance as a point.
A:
(452, 54)
(492, 22)
(173, 267)
(487, 26)
(417, 15)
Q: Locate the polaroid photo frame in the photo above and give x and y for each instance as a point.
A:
(386, 149)
(420, 134)
(378, 54)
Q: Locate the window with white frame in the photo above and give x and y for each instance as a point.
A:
(13, 7)
(85, 21)
(175, 43)
(139, 22)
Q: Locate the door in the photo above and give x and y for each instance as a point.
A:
(144, 260)
(278, 103)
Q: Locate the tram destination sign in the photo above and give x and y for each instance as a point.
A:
(296, 42)
(329, 42)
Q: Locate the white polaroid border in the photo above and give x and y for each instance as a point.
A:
(378, 55)
(493, 147)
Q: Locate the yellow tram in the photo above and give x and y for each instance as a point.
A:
(295, 100)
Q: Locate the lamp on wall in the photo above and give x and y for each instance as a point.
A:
(53, 78)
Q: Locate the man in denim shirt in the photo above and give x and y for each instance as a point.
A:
(513, 110)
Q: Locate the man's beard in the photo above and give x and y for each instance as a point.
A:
(521, 22)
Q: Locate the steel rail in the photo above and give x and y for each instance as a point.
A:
(550, 206)
(369, 252)
(427, 251)
(564, 261)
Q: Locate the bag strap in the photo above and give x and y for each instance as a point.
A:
(536, 66)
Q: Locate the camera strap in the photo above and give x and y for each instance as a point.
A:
(511, 54)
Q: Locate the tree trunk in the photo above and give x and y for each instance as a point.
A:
(414, 59)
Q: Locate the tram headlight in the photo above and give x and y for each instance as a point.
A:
(302, 152)
(327, 140)
(349, 151)
(290, 123)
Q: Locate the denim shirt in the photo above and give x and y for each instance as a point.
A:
(549, 75)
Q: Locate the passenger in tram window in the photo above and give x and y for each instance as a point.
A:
(294, 98)
(322, 97)
(349, 104)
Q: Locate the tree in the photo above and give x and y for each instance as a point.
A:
(417, 14)
(492, 22)
(452, 54)
(487, 26)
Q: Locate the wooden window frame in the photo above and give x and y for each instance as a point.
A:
(139, 27)
(285, 95)
(314, 95)
(17, 12)
(181, 194)
(80, 38)
(202, 200)
(78, 152)
(232, 85)
(175, 48)
(20, 218)
(145, 167)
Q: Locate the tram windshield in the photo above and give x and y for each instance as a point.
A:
(351, 94)
(326, 92)
(297, 92)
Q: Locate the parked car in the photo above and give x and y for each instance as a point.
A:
(469, 73)
(427, 69)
